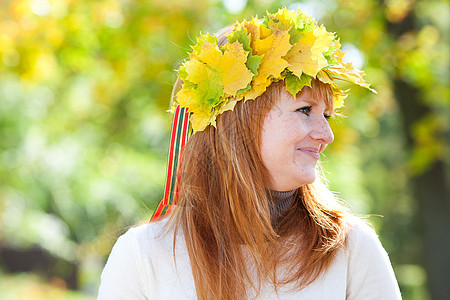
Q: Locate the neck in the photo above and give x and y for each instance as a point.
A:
(281, 201)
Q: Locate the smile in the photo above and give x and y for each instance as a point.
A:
(314, 153)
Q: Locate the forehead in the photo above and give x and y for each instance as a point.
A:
(308, 96)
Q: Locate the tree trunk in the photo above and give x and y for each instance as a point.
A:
(432, 195)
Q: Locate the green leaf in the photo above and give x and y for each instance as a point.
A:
(295, 84)
(331, 61)
(248, 87)
(241, 35)
(298, 21)
(330, 50)
(188, 85)
(182, 73)
(203, 38)
(253, 63)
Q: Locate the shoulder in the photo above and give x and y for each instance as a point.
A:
(364, 244)
(128, 270)
(370, 273)
(361, 235)
(146, 242)
(145, 236)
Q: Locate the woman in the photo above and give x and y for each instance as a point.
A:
(252, 219)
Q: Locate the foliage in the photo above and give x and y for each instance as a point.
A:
(286, 45)
(30, 286)
(83, 89)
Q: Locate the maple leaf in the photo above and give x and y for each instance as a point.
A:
(338, 95)
(200, 121)
(241, 35)
(323, 42)
(205, 90)
(285, 19)
(273, 48)
(201, 92)
(325, 77)
(257, 90)
(295, 84)
(203, 38)
(300, 57)
(230, 66)
(264, 31)
(229, 105)
(208, 76)
(202, 111)
(252, 30)
(337, 53)
(307, 54)
(347, 72)
(293, 17)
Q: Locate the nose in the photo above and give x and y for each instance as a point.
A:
(322, 132)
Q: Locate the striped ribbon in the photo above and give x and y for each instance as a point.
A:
(178, 138)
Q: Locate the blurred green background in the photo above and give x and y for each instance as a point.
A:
(84, 86)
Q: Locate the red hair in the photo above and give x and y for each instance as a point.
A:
(224, 204)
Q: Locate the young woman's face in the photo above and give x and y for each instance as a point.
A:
(294, 133)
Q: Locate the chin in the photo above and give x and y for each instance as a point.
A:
(294, 181)
(307, 179)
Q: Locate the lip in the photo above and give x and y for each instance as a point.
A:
(313, 152)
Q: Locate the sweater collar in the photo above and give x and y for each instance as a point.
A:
(281, 201)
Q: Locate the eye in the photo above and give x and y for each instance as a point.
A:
(326, 116)
(305, 110)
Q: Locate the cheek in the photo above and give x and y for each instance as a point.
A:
(282, 133)
(271, 137)
(278, 145)
(267, 145)
(296, 130)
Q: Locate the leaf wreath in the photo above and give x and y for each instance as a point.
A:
(287, 45)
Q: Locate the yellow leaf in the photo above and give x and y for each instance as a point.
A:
(304, 56)
(212, 73)
(285, 19)
(274, 47)
(338, 54)
(230, 65)
(324, 77)
(338, 95)
(257, 90)
(349, 73)
(264, 32)
(200, 121)
(228, 105)
(182, 97)
(196, 70)
(253, 30)
(236, 75)
(324, 40)
(204, 91)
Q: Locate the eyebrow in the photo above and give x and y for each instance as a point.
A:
(310, 101)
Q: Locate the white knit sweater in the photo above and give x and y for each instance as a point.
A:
(141, 266)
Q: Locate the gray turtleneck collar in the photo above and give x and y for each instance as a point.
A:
(281, 202)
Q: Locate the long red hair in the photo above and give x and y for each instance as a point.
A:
(223, 210)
